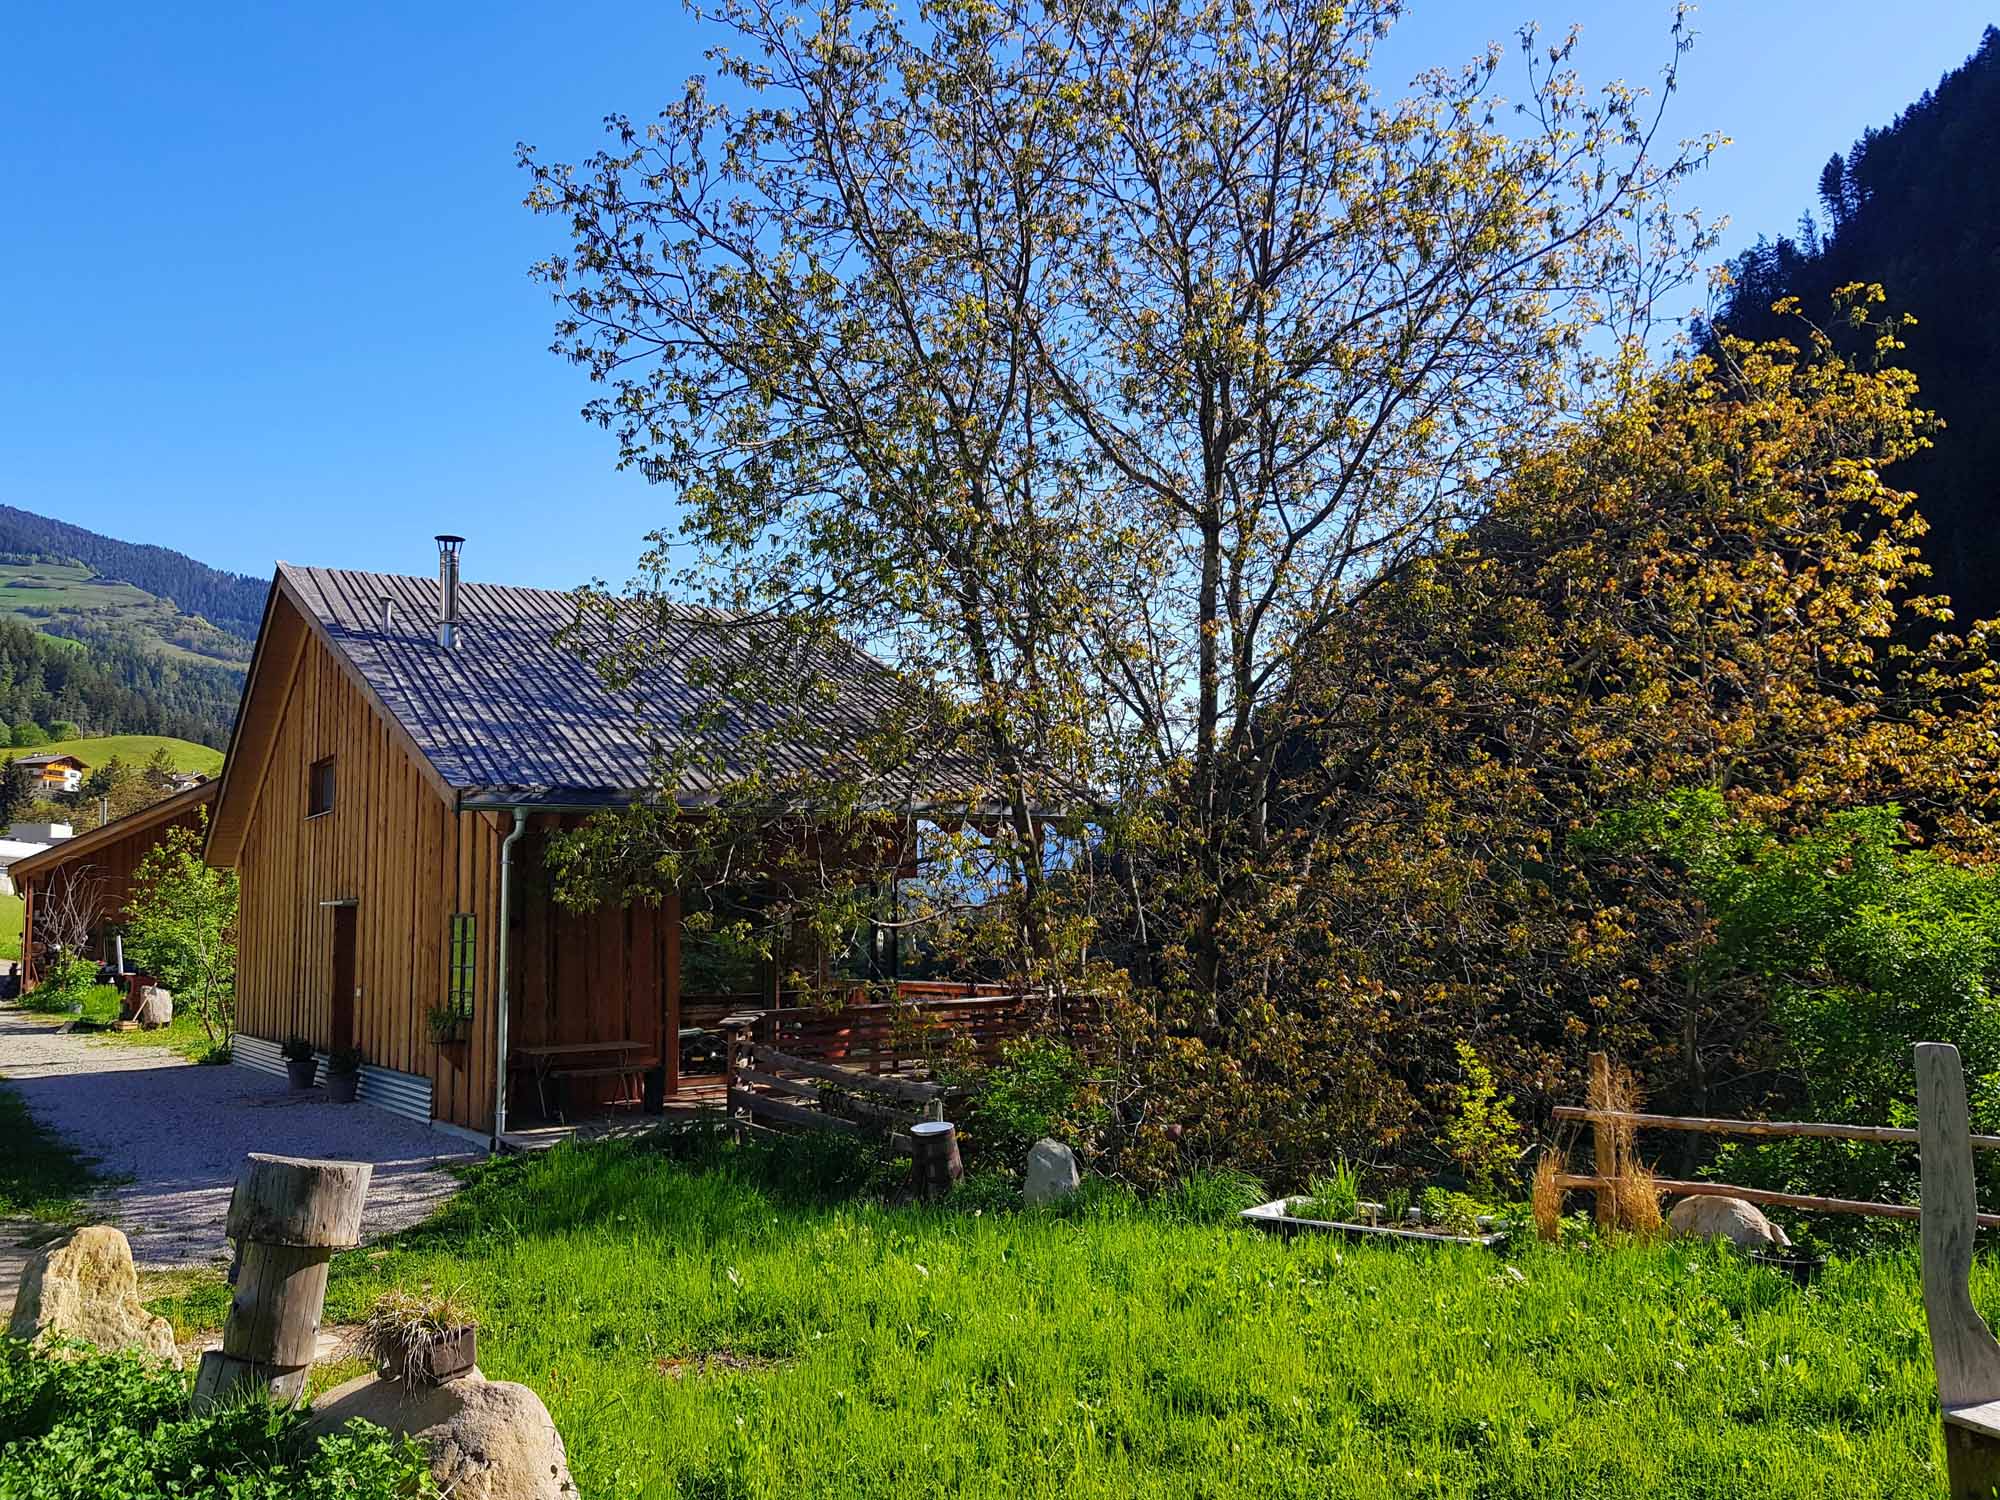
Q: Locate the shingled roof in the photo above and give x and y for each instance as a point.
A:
(509, 716)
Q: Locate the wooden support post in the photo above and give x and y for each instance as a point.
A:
(1603, 1144)
(934, 1160)
(1963, 1348)
(288, 1215)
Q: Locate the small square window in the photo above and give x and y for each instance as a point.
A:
(319, 788)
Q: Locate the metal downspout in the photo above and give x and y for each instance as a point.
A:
(500, 1051)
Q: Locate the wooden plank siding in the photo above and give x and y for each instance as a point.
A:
(607, 975)
(395, 849)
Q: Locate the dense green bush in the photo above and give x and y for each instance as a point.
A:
(66, 978)
(80, 1424)
(1860, 945)
(1038, 1088)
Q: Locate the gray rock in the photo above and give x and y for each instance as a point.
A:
(1052, 1172)
(1743, 1224)
(85, 1287)
(487, 1439)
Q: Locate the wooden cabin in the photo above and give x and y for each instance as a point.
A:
(106, 858)
(404, 748)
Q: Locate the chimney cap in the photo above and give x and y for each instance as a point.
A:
(449, 543)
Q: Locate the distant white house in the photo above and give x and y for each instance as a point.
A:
(52, 773)
(24, 839)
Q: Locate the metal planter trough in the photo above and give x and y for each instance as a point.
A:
(1277, 1217)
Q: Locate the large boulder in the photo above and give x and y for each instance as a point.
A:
(1051, 1174)
(487, 1439)
(155, 1007)
(84, 1286)
(1706, 1217)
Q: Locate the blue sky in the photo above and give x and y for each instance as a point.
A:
(267, 265)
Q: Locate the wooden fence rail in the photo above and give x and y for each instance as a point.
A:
(1604, 1122)
(767, 1086)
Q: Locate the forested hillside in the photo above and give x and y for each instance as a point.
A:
(232, 601)
(1916, 207)
(112, 688)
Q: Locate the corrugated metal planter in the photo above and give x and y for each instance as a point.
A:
(1278, 1218)
(437, 1360)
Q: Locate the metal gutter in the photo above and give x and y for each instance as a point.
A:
(500, 1048)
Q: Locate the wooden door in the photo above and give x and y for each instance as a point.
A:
(342, 1030)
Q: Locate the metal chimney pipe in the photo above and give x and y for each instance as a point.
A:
(449, 548)
(387, 609)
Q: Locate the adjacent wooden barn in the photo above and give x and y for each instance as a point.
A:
(404, 748)
(102, 861)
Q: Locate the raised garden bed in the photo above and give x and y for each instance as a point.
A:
(1278, 1217)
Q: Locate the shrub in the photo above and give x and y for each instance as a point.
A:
(66, 979)
(1038, 1088)
(1482, 1134)
(76, 1422)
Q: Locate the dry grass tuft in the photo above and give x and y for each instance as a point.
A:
(1635, 1195)
(1638, 1198)
(1547, 1199)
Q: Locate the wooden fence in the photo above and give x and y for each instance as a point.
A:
(868, 1069)
(1604, 1123)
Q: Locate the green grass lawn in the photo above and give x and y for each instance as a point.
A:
(134, 749)
(700, 1329)
(12, 915)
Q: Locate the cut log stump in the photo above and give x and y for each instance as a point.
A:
(288, 1216)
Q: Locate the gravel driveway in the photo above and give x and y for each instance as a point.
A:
(172, 1136)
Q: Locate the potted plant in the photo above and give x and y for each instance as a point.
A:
(301, 1065)
(343, 1074)
(446, 1024)
(420, 1338)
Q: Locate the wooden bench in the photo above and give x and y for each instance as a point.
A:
(1963, 1348)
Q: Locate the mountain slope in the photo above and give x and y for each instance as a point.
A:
(117, 638)
(234, 602)
(1916, 207)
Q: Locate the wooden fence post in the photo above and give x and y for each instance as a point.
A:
(288, 1215)
(1962, 1347)
(1603, 1144)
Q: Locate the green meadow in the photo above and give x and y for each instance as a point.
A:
(708, 1321)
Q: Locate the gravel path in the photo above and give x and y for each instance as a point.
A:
(171, 1137)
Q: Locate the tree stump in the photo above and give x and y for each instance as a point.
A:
(287, 1216)
(934, 1163)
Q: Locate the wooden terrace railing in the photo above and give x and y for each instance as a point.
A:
(869, 1067)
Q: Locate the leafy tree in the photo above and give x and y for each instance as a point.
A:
(27, 736)
(1707, 583)
(1094, 365)
(182, 927)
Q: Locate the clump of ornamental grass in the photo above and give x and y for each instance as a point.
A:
(402, 1324)
(1545, 1197)
(1634, 1191)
